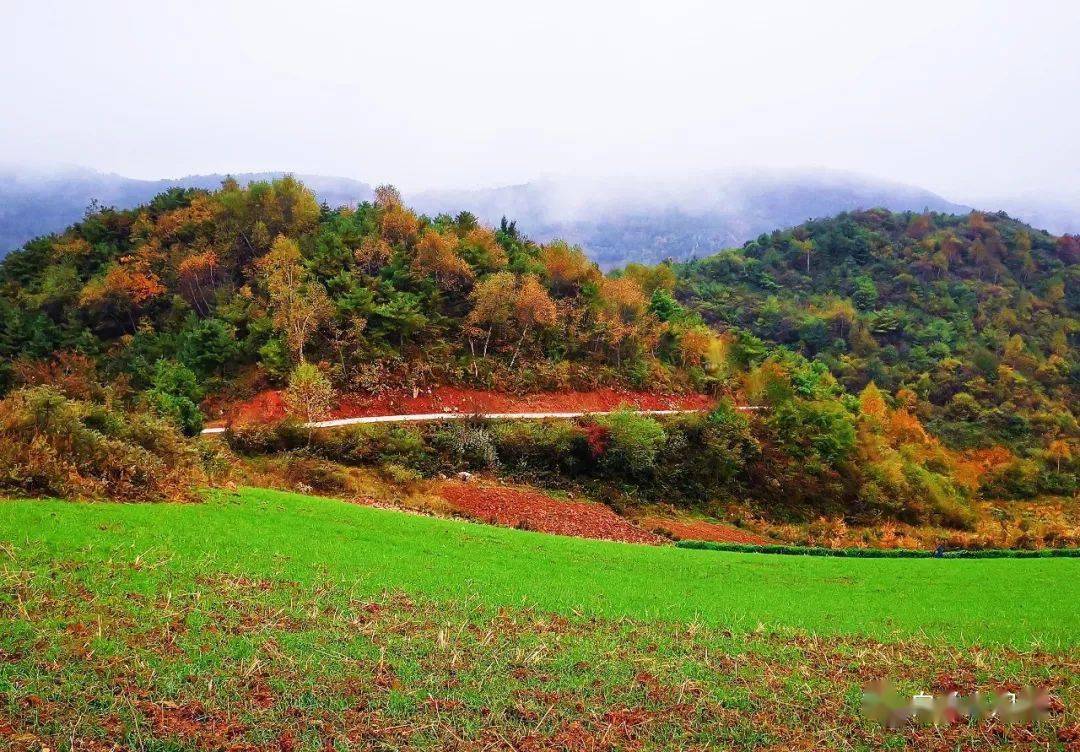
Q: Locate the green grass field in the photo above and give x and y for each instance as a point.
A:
(260, 533)
(263, 619)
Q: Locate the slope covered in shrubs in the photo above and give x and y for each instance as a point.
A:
(51, 445)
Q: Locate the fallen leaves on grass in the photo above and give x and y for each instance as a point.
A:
(333, 671)
(531, 510)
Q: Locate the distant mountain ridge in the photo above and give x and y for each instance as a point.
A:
(648, 220)
(38, 203)
(616, 220)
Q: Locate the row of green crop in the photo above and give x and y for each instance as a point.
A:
(880, 553)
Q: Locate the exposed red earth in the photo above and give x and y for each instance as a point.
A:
(269, 406)
(688, 529)
(531, 510)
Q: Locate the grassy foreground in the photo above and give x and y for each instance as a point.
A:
(265, 620)
(260, 533)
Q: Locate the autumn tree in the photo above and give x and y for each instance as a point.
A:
(387, 196)
(919, 227)
(533, 308)
(1068, 249)
(298, 304)
(651, 278)
(805, 248)
(1059, 450)
(567, 267)
(396, 223)
(694, 343)
(372, 254)
(287, 207)
(199, 213)
(127, 286)
(253, 216)
(198, 276)
(74, 248)
(621, 304)
(493, 305)
(481, 248)
(840, 313)
(436, 254)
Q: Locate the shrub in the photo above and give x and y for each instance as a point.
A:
(358, 445)
(401, 445)
(468, 445)
(72, 374)
(350, 445)
(819, 431)
(306, 472)
(51, 445)
(403, 477)
(309, 395)
(180, 411)
(266, 438)
(174, 395)
(879, 553)
(634, 441)
(540, 445)
(373, 444)
(727, 443)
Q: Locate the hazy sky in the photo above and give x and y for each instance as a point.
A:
(965, 98)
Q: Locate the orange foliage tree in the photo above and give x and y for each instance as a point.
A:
(436, 254)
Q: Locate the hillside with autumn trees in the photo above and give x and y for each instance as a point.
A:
(910, 367)
(968, 322)
(246, 283)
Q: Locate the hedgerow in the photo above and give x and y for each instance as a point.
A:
(879, 553)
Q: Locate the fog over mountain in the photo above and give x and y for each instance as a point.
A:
(647, 219)
(616, 220)
(1059, 216)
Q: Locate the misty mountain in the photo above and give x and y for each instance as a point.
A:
(648, 220)
(1060, 217)
(615, 220)
(36, 202)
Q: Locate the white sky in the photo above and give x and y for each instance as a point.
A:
(965, 98)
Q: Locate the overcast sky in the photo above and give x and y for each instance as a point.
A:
(966, 98)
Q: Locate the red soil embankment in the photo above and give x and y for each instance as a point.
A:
(269, 406)
(704, 531)
(531, 510)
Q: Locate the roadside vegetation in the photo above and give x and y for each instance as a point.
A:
(715, 464)
(51, 445)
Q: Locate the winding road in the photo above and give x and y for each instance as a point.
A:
(429, 417)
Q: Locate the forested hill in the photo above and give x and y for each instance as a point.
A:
(965, 325)
(971, 319)
(241, 284)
